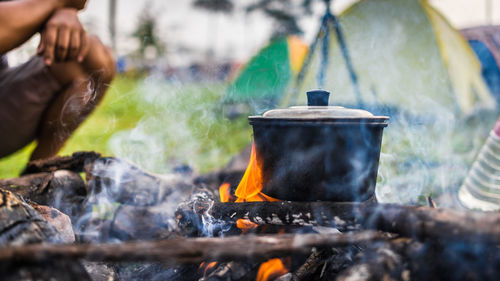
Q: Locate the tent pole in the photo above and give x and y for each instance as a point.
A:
(307, 61)
(324, 35)
(325, 46)
(347, 59)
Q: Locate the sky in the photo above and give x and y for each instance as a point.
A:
(190, 33)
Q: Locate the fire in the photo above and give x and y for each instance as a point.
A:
(225, 192)
(250, 187)
(271, 269)
(250, 190)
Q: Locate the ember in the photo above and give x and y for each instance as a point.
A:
(270, 270)
(206, 267)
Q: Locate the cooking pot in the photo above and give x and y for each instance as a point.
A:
(318, 152)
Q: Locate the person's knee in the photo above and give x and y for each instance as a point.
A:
(98, 66)
(99, 62)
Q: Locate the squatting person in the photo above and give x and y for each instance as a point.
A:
(46, 98)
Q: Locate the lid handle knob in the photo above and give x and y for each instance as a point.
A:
(318, 98)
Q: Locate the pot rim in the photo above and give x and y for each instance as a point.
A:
(372, 121)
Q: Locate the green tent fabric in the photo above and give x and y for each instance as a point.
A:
(405, 54)
(267, 75)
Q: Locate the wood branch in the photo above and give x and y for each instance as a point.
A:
(411, 221)
(76, 163)
(189, 250)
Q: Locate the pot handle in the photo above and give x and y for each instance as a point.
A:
(318, 98)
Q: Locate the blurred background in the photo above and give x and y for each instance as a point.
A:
(187, 80)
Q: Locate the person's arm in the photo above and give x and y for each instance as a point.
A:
(21, 19)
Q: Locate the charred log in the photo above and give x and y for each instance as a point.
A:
(156, 271)
(144, 223)
(237, 271)
(62, 189)
(340, 259)
(76, 163)
(411, 221)
(379, 262)
(189, 250)
(311, 265)
(125, 183)
(21, 224)
(289, 213)
(424, 223)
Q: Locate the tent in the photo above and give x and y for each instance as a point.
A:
(267, 74)
(485, 41)
(394, 52)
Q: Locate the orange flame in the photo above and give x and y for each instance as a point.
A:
(225, 192)
(271, 269)
(249, 189)
(245, 225)
(207, 266)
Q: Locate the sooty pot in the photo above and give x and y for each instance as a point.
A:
(318, 152)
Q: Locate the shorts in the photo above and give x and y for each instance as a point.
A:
(26, 91)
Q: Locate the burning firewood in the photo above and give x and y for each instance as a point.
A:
(411, 221)
(416, 242)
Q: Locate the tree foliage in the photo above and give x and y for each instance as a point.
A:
(285, 13)
(215, 5)
(146, 32)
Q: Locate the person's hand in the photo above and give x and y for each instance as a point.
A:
(63, 38)
(76, 4)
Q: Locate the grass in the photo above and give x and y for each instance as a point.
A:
(155, 124)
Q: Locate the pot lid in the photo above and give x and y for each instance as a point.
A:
(317, 108)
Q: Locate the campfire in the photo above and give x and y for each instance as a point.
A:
(123, 223)
(245, 235)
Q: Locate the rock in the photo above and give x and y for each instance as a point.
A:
(60, 221)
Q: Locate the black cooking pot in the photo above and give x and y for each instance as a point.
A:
(318, 152)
